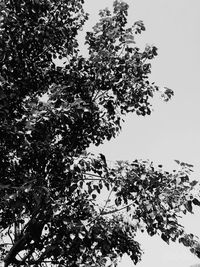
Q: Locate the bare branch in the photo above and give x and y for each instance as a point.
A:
(10, 235)
(116, 210)
(17, 246)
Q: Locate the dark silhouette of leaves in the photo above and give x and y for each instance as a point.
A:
(55, 103)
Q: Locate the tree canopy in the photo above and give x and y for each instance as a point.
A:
(51, 206)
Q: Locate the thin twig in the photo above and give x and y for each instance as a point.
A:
(122, 50)
(87, 179)
(10, 235)
(116, 210)
(108, 198)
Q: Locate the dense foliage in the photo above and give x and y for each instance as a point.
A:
(51, 188)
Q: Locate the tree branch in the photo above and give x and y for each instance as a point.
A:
(10, 235)
(17, 246)
(94, 175)
(116, 210)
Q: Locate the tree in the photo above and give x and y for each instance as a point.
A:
(51, 206)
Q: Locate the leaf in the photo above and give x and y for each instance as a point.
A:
(128, 208)
(73, 187)
(72, 236)
(196, 202)
(177, 161)
(188, 206)
(107, 185)
(193, 183)
(94, 196)
(81, 235)
(165, 238)
(118, 201)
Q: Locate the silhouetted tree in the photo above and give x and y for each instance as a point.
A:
(50, 185)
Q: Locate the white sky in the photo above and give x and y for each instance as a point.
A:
(173, 129)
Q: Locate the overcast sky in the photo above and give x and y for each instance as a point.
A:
(173, 129)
